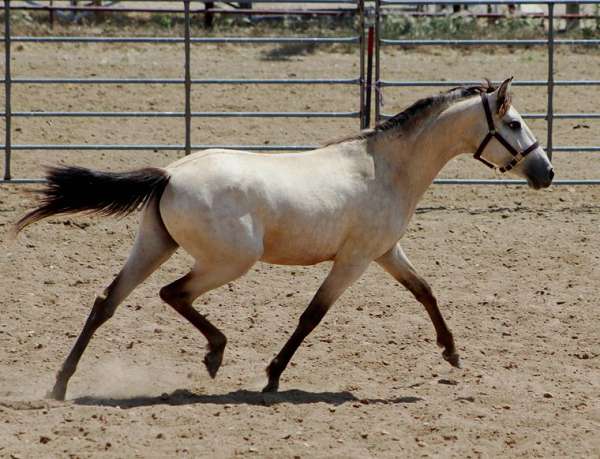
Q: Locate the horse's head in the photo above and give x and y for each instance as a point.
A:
(508, 144)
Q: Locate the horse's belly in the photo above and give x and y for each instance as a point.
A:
(293, 247)
(293, 257)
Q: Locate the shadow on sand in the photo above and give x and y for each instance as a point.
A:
(240, 397)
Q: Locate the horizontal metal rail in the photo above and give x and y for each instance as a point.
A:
(143, 147)
(531, 116)
(512, 182)
(160, 10)
(159, 147)
(578, 149)
(353, 2)
(195, 11)
(347, 2)
(283, 81)
(334, 2)
(415, 2)
(516, 15)
(35, 114)
(224, 81)
(25, 181)
(286, 11)
(490, 42)
(487, 2)
(280, 12)
(33, 181)
(39, 114)
(176, 40)
(450, 83)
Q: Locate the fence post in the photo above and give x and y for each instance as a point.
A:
(188, 81)
(209, 17)
(7, 91)
(361, 35)
(377, 62)
(550, 109)
(51, 14)
(369, 84)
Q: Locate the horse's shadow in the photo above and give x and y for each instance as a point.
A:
(240, 397)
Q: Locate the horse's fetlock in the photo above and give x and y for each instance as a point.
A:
(452, 358)
(66, 371)
(271, 367)
(218, 342)
(100, 299)
(446, 341)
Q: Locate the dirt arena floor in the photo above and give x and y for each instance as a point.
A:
(516, 273)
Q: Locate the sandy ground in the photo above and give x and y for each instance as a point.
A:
(516, 273)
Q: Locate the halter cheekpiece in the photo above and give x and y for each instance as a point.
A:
(517, 156)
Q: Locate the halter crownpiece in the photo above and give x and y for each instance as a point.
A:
(517, 156)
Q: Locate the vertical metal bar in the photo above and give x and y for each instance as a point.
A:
(209, 18)
(188, 81)
(369, 77)
(51, 14)
(361, 34)
(550, 110)
(7, 91)
(377, 62)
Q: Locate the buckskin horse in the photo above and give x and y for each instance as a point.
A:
(348, 202)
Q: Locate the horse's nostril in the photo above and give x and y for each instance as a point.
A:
(551, 174)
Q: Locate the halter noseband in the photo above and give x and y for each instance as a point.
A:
(517, 156)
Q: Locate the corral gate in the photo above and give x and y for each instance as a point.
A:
(368, 21)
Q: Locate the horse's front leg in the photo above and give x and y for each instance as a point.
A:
(397, 264)
(341, 276)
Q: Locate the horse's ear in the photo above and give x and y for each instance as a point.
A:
(504, 97)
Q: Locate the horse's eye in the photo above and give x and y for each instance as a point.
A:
(514, 125)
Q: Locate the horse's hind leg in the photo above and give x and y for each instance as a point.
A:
(182, 293)
(397, 264)
(152, 247)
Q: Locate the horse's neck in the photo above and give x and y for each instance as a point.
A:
(419, 157)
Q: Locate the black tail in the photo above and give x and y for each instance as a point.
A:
(76, 189)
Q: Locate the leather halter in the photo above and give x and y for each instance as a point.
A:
(517, 156)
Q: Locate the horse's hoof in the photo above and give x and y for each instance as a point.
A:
(272, 386)
(57, 393)
(452, 358)
(213, 360)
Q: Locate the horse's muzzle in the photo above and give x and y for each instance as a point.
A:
(540, 180)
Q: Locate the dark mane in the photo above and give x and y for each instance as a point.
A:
(419, 110)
